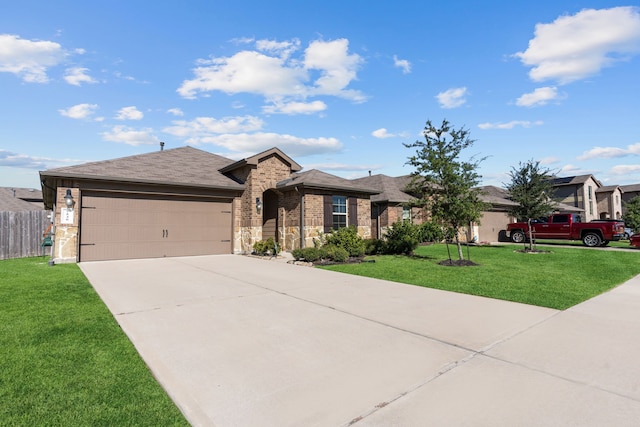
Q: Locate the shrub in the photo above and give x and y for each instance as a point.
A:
(374, 246)
(307, 254)
(347, 238)
(266, 247)
(401, 238)
(429, 231)
(334, 253)
(297, 254)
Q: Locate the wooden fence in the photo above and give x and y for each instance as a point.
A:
(21, 233)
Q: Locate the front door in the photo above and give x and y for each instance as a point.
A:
(270, 215)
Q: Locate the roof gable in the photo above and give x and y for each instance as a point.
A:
(257, 158)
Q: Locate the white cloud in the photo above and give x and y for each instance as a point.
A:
(79, 111)
(198, 130)
(129, 113)
(539, 96)
(549, 160)
(29, 59)
(295, 107)
(569, 170)
(610, 152)
(403, 64)
(337, 68)
(382, 133)
(577, 46)
(78, 75)
(280, 77)
(510, 125)
(176, 112)
(624, 169)
(11, 159)
(452, 98)
(281, 49)
(239, 73)
(256, 142)
(130, 136)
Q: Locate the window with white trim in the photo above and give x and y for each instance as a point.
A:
(339, 212)
(406, 213)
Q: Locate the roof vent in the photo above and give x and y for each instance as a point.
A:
(161, 145)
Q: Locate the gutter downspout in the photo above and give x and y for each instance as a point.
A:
(302, 242)
(301, 216)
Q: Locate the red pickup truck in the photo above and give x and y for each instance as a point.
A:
(568, 227)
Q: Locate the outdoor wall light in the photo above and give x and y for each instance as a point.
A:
(68, 199)
(258, 205)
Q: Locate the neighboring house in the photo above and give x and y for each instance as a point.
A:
(628, 193)
(186, 201)
(579, 192)
(494, 220)
(23, 222)
(20, 199)
(391, 204)
(609, 200)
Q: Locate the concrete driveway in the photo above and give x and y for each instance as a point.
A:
(241, 341)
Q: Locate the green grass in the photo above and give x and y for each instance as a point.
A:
(63, 358)
(557, 279)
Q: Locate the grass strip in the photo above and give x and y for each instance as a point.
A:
(559, 278)
(63, 358)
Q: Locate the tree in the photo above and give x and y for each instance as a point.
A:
(446, 185)
(631, 216)
(531, 187)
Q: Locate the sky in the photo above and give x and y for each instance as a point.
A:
(339, 86)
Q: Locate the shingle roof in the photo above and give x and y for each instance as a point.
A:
(20, 199)
(496, 196)
(607, 188)
(391, 189)
(573, 180)
(321, 180)
(178, 166)
(630, 188)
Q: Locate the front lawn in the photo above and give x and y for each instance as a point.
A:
(63, 358)
(557, 279)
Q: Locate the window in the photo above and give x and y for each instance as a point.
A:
(339, 212)
(590, 191)
(559, 219)
(406, 213)
(590, 208)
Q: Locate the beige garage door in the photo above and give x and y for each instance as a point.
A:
(140, 226)
(491, 225)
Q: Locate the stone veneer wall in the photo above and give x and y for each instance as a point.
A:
(65, 249)
(257, 179)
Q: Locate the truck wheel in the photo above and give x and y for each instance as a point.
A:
(517, 236)
(591, 240)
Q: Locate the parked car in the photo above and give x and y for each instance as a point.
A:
(635, 240)
(569, 227)
(628, 232)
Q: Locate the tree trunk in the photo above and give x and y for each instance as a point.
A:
(530, 235)
(460, 254)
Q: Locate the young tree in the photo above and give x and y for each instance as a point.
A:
(531, 187)
(631, 216)
(447, 185)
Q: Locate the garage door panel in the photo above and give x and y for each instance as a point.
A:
(124, 227)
